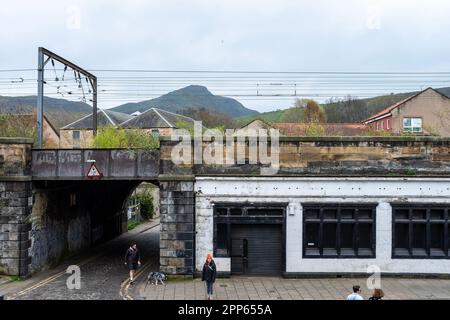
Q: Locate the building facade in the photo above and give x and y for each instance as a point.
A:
(336, 205)
(301, 226)
(425, 113)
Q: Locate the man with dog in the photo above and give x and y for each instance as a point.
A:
(132, 260)
(209, 275)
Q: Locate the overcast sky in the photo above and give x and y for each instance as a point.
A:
(321, 35)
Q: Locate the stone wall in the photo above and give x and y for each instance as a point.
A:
(331, 156)
(15, 205)
(60, 226)
(177, 227)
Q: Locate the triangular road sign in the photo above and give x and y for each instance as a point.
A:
(93, 172)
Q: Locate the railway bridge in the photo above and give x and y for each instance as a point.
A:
(370, 200)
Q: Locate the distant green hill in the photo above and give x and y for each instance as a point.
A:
(189, 97)
(59, 111)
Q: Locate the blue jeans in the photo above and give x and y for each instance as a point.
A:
(209, 287)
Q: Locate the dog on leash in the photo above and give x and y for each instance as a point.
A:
(155, 277)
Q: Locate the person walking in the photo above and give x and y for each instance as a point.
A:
(356, 294)
(209, 275)
(132, 260)
(378, 294)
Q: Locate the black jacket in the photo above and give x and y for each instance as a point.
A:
(132, 256)
(209, 272)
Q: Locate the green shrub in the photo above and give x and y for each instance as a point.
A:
(111, 137)
(139, 139)
(132, 224)
(315, 130)
(146, 203)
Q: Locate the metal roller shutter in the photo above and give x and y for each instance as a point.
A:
(256, 249)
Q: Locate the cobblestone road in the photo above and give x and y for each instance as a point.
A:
(102, 272)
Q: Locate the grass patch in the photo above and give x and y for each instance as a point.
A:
(14, 278)
(132, 225)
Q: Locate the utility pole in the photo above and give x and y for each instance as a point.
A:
(40, 99)
(42, 53)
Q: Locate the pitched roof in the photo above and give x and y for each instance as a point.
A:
(263, 122)
(339, 129)
(155, 118)
(387, 112)
(104, 118)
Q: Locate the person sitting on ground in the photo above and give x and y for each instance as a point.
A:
(356, 294)
(378, 294)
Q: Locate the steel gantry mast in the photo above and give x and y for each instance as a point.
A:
(44, 56)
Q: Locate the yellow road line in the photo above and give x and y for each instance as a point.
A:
(51, 278)
(126, 284)
(61, 273)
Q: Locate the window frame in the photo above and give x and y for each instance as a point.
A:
(78, 133)
(428, 222)
(355, 221)
(411, 126)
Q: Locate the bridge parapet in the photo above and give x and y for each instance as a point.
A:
(324, 156)
(113, 164)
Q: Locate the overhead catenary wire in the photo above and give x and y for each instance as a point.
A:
(119, 85)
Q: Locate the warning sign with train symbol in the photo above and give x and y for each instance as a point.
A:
(93, 172)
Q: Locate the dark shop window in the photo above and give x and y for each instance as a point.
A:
(339, 231)
(222, 249)
(420, 231)
(312, 239)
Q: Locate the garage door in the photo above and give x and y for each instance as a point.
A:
(256, 249)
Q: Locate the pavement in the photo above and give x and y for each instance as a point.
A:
(274, 288)
(105, 277)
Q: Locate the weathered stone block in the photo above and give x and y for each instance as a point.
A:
(9, 266)
(173, 262)
(174, 201)
(15, 253)
(185, 271)
(18, 202)
(168, 269)
(14, 245)
(179, 218)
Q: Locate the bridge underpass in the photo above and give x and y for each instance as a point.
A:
(52, 209)
(73, 210)
(72, 216)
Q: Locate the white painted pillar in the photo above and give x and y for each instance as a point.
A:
(383, 233)
(294, 235)
(204, 228)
